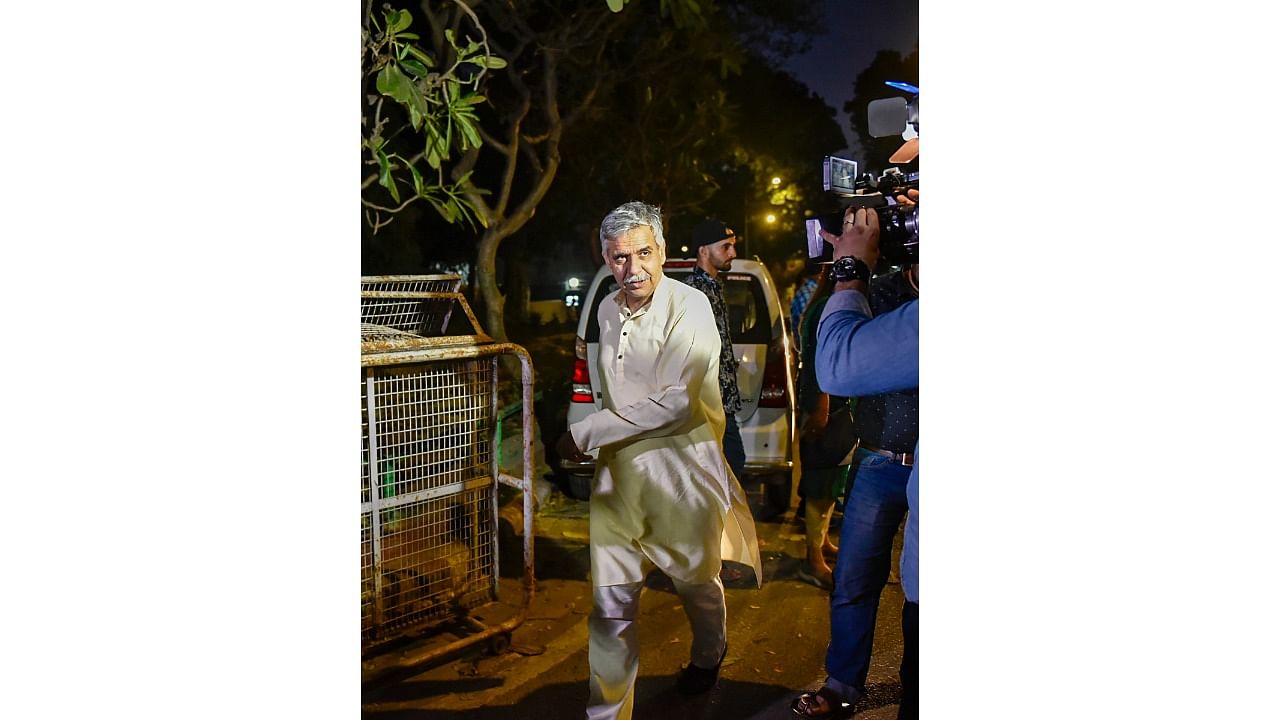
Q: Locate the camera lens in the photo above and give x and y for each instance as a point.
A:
(899, 233)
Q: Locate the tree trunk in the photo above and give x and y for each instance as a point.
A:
(494, 301)
(487, 277)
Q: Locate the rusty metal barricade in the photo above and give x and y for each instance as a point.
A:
(429, 475)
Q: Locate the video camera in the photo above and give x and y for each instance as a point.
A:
(899, 224)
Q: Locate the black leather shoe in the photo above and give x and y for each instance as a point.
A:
(694, 680)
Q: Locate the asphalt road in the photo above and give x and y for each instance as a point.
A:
(777, 641)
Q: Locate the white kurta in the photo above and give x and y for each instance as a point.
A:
(662, 486)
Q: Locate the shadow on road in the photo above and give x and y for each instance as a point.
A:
(553, 559)
(655, 697)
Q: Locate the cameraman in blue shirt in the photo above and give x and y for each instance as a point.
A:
(859, 356)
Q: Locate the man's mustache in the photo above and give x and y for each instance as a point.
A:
(638, 277)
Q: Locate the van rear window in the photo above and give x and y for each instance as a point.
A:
(748, 313)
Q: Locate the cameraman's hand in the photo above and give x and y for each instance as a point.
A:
(861, 236)
(911, 198)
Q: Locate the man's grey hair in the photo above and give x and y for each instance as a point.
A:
(632, 215)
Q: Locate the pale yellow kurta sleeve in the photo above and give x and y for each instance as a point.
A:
(691, 346)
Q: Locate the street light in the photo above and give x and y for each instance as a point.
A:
(746, 215)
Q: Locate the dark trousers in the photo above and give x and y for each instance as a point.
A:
(909, 708)
(734, 452)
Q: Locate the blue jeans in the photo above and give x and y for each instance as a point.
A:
(734, 452)
(874, 509)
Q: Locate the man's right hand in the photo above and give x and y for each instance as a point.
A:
(567, 449)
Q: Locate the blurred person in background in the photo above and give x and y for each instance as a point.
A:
(819, 486)
(715, 244)
(813, 269)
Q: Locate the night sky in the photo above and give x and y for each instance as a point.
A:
(855, 31)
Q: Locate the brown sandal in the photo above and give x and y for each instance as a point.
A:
(822, 703)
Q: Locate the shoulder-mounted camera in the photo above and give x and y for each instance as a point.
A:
(899, 224)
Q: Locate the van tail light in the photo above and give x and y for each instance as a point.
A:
(581, 376)
(773, 388)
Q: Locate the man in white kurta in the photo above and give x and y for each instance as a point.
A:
(662, 490)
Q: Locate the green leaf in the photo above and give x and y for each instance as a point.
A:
(446, 208)
(416, 101)
(417, 181)
(437, 145)
(415, 51)
(433, 154)
(417, 105)
(386, 82)
(616, 5)
(452, 215)
(408, 36)
(415, 67)
(470, 137)
(398, 20)
(384, 176)
(394, 84)
(492, 62)
(470, 99)
(384, 166)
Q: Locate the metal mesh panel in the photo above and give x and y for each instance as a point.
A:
(422, 316)
(367, 587)
(430, 459)
(369, 331)
(437, 559)
(364, 445)
(411, 283)
(433, 424)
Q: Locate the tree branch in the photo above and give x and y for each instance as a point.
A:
(491, 141)
(530, 152)
(513, 160)
(393, 210)
(524, 211)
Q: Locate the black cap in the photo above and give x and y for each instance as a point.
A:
(710, 231)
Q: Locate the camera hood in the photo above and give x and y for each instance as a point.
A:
(897, 116)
